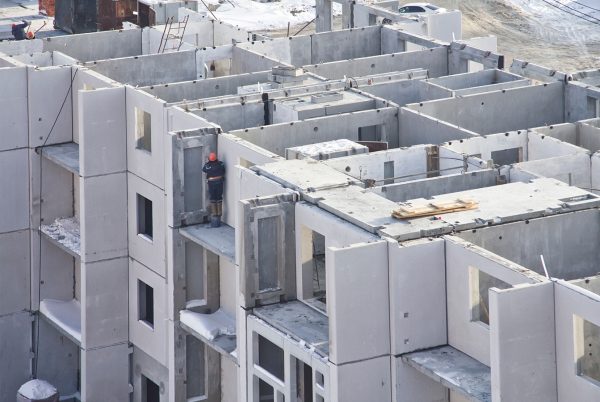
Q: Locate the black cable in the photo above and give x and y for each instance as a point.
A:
(41, 148)
(576, 10)
(597, 21)
(585, 5)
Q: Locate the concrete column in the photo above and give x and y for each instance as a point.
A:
(324, 20)
(347, 14)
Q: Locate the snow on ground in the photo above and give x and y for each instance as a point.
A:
(37, 390)
(254, 16)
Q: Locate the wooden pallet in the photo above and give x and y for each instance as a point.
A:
(434, 208)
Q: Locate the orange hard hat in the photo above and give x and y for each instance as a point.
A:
(30, 35)
(212, 157)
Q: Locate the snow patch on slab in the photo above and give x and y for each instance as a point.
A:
(66, 232)
(65, 314)
(209, 326)
(37, 389)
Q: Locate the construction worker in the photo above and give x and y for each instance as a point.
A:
(18, 30)
(215, 176)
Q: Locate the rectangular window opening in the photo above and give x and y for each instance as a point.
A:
(195, 277)
(368, 133)
(266, 393)
(144, 217)
(150, 390)
(304, 383)
(143, 130)
(587, 349)
(270, 357)
(480, 284)
(388, 172)
(146, 304)
(593, 107)
(314, 286)
(507, 156)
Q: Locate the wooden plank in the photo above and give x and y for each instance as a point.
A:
(434, 208)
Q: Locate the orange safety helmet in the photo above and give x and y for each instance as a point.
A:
(30, 35)
(212, 157)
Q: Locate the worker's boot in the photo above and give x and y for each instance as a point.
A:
(215, 217)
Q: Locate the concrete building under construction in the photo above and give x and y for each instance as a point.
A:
(407, 216)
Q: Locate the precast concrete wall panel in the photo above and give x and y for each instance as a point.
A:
(567, 242)
(417, 295)
(483, 147)
(16, 346)
(13, 108)
(149, 250)
(358, 303)
(234, 151)
(501, 111)
(47, 89)
(574, 170)
(149, 69)
(97, 45)
(15, 269)
(367, 380)
(409, 164)
(345, 44)
(417, 128)
(523, 358)
(571, 302)
(58, 357)
(408, 91)
(151, 339)
(146, 366)
(207, 88)
(435, 60)
(595, 173)
(543, 147)
(102, 145)
(247, 61)
(104, 303)
(14, 47)
(465, 334)
(277, 138)
(14, 181)
(86, 80)
(235, 116)
(104, 217)
(149, 165)
(281, 48)
(105, 374)
(224, 34)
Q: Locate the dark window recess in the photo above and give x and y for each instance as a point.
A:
(507, 156)
(145, 303)
(144, 216)
(150, 390)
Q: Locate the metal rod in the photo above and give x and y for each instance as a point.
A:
(307, 24)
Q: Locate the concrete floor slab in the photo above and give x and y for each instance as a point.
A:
(455, 370)
(220, 241)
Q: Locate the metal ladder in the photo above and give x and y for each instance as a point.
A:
(173, 31)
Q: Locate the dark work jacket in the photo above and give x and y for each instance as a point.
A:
(214, 169)
(18, 31)
(215, 187)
